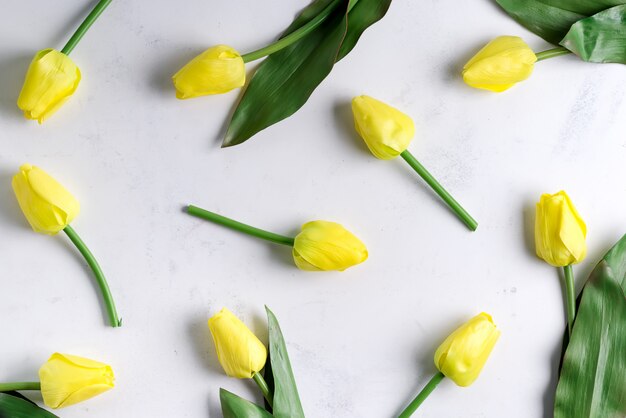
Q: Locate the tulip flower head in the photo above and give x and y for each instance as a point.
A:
(501, 64)
(463, 354)
(51, 79)
(560, 232)
(67, 380)
(217, 70)
(239, 351)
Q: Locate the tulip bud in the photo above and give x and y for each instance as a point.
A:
(560, 232)
(386, 131)
(239, 351)
(67, 380)
(501, 64)
(217, 70)
(47, 205)
(51, 79)
(463, 354)
(327, 246)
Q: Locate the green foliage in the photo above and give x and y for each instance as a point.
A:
(14, 405)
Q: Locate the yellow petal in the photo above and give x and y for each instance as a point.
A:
(51, 79)
(327, 246)
(67, 380)
(217, 70)
(501, 64)
(386, 131)
(47, 205)
(239, 351)
(463, 354)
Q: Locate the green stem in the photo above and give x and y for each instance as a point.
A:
(238, 226)
(293, 36)
(84, 27)
(421, 397)
(438, 188)
(570, 296)
(102, 283)
(6, 387)
(262, 384)
(554, 52)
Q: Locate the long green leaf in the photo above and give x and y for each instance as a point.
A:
(14, 405)
(599, 38)
(363, 15)
(234, 406)
(592, 383)
(286, 399)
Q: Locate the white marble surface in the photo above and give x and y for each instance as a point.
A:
(361, 342)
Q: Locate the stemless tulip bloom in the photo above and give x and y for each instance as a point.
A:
(386, 131)
(67, 380)
(323, 245)
(51, 79)
(47, 205)
(463, 354)
(239, 351)
(560, 232)
(501, 64)
(217, 70)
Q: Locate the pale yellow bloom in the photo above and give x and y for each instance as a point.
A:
(560, 232)
(386, 131)
(51, 79)
(239, 351)
(501, 64)
(327, 246)
(217, 70)
(47, 205)
(463, 354)
(67, 380)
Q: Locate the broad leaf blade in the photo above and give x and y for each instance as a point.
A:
(363, 15)
(14, 405)
(599, 38)
(286, 399)
(234, 406)
(592, 383)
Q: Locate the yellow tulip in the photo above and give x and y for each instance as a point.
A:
(323, 245)
(51, 79)
(386, 131)
(560, 232)
(47, 205)
(501, 64)
(217, 70)
(67, 380)
(463, 354)
(239, 351)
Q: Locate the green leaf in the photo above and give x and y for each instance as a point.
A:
(363, 15)
(286, 399)
(592, 382)
(14, 405)
(599, 38)
(234, 406)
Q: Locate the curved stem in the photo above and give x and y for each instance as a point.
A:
(293, 36)
(238, 226)
(421, 397)
(82, 29)
(6, 387)
(554, 52)
(262, 384)
(570, 296)
(438, 188)
(97, 271)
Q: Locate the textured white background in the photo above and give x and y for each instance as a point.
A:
(361, 342)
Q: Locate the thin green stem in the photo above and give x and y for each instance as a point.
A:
(293, 36)
(570, 297)
(262, 384)
(84, 27)
(438, 188)
(554, 52)
(238, 226)
(421, 397)
(6, 387)
(102, 283)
